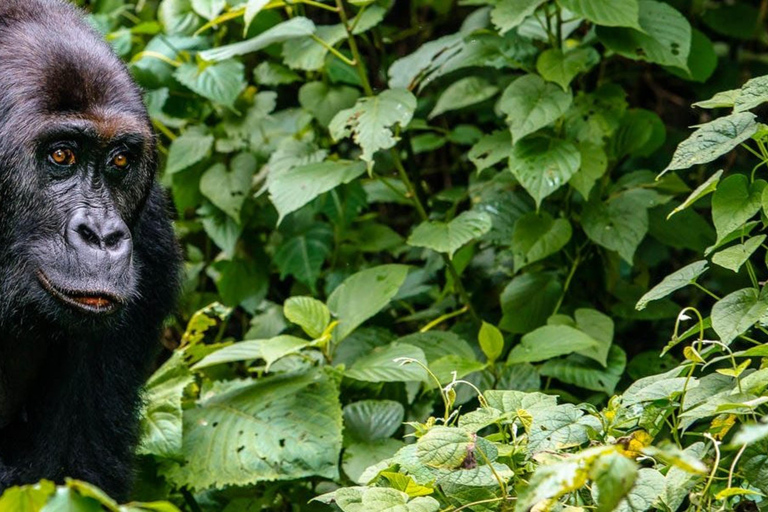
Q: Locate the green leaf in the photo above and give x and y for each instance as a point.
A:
(463, 93)
(735, 202)
(557, 427)
(508, 14)
(178, 18)
(437, 344)
(618, 225)
(600, 327)
(702, 190)
(448, 237)
(713, 140)
(228, 188)
(543, 164)
(208, 9)
(735, 313)
(734, 257)
(221, 82)
(270, 350)
(27, 498)
(594, 163)
(550, 481)
(271, 73)
(580, 371)
(614, 475)
(491, 341)
(307, 54)
(673, 282)
(491, 149)
(385, 364)
(664, 36)
(372, 120)
(752, 94)
(292, 189)
(252, 8)
(538, 235)
(444, 447)
(360, 455)
(303, 254)
(649, 485)
(358, 499)
(161, 419)
(550, 341)
(189, 148)
(609, 13)
(324, 101)
(528, 300)
(311, 314)
(373, 420)
(378, 285)
(562, 67)
(530, 103)
(226, 442)
(722, 99)
(702, 59)
(291, 29)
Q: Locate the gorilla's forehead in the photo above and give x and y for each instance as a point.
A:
(57, 66)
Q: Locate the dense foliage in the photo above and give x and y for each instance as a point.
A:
(428, 247)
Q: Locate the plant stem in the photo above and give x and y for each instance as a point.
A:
(567, 284)
(414, 196)
(359, 65)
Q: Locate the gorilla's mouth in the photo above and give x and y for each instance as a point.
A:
(86, 301)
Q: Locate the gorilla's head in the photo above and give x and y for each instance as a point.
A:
(77, 161)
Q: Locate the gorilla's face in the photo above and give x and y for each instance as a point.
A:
(91, 166)
(77, 160)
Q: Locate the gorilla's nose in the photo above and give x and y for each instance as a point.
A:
(95, 232)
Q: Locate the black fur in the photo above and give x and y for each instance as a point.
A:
(70, 380)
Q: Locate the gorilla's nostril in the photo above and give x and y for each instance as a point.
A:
(113, 240)
(88, 235)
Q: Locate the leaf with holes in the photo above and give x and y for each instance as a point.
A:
(372, 121)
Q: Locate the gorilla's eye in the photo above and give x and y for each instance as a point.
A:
(62, 156)
(120, 161)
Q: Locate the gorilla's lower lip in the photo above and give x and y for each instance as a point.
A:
(95, 302)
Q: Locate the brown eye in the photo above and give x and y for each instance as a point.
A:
(62, 156)
(120, 161)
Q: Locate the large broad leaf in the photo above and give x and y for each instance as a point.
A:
(161, 420)
(557, 427)
(594, 163)
(735, 313)
(27, 498)
(375, 285)
(373, 420)
(189, 148)
(664, 36)
(735, 202)
(531, 103)
(324, 101)
(528, 300)
(357, 499)
(311, 314)
(585, 373)
(250, 431)
(292, 189)
(544, 164)
(507, 14)
(536, 236)
(752, 94)
(221, 82)
(548, 342)
(448, 237)
(227, 188)
(614, 475)
(208, 9)
(302, 255)
(463, 93)
(734, 257)
(409, 70)
(385, 364)
(673, 282)
(291, 29)
(713, 140)
(491, 149)
(561, 67)
(270, 350)
(618, 225)
(307, 54)
(609, 13)
(371, 121)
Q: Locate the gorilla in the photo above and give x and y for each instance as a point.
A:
(89, 265)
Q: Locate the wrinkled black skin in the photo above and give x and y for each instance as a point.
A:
(70, 380)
